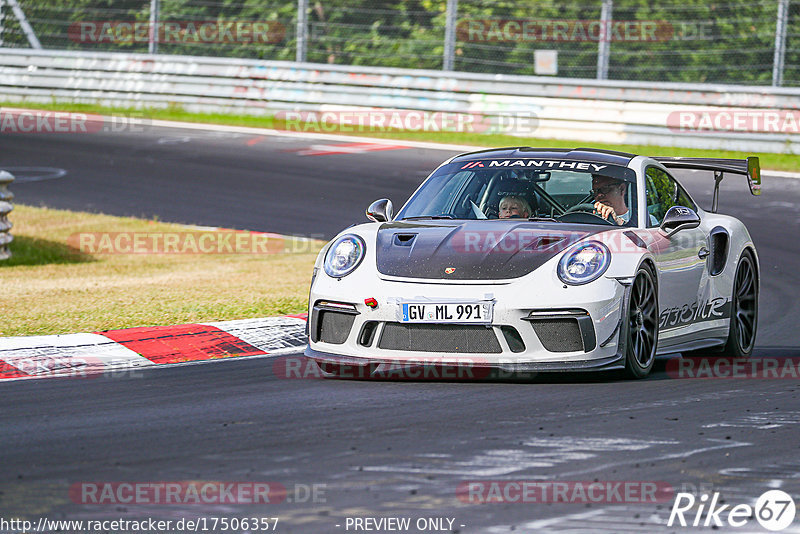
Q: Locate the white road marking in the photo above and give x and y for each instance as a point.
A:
(309, 135)
(727, 444)
(536, 526)
(500, 462)
(173, 140)
(761, 421)
(347, 148)
(597, 444)
(35, 174)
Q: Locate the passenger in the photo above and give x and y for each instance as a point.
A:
(514, 207)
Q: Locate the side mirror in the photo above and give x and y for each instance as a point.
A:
(380, 210)
(679, 218)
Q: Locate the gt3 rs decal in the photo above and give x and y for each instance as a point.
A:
(696, 312)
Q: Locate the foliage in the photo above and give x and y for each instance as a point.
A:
(698, 41)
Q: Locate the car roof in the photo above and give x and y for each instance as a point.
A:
(578, 154)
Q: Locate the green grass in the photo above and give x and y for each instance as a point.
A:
(781, 162)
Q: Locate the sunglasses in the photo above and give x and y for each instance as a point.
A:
(604, 190)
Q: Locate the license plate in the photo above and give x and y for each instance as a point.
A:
(466, 312)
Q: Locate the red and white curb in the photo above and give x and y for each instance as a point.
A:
(94, 354)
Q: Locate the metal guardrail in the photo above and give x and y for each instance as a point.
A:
(5, 208)
(565, 108)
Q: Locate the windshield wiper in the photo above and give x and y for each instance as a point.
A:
(417, 217)
(544, 219)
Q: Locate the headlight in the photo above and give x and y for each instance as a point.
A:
(584, 263)
(344, 256)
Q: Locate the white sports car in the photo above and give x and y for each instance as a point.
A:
(526, 259)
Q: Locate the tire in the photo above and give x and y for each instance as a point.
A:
(641, 325)
(746, 303)
(744, 310)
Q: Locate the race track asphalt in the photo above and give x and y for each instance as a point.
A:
(378, 449)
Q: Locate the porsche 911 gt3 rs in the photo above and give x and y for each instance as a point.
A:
(527, 259)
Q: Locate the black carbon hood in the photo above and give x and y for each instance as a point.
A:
(472, 250)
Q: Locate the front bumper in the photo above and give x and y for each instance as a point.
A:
(382, 367)
(596, 308)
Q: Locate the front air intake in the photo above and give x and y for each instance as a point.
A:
(564, 330)
(559, 335)
(334, 327)
(466, 339)
(331, 321)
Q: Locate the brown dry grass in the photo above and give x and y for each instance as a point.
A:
(50, 287)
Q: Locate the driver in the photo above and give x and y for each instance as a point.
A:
(514, 207)
(609, 195)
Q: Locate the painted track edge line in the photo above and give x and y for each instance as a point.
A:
(311, 135)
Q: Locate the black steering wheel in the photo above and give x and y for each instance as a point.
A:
(587, 208)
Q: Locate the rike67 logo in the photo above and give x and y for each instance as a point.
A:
(774, 510)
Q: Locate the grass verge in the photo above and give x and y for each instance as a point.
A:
(779, 162)
(55, 283)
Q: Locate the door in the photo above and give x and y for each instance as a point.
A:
(681, 259)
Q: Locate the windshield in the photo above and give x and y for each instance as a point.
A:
(568, 191)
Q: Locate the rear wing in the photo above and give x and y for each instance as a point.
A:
(750, 167)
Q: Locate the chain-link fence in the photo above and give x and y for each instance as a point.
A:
(730, 41)
(791, 73)
(261, 29)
